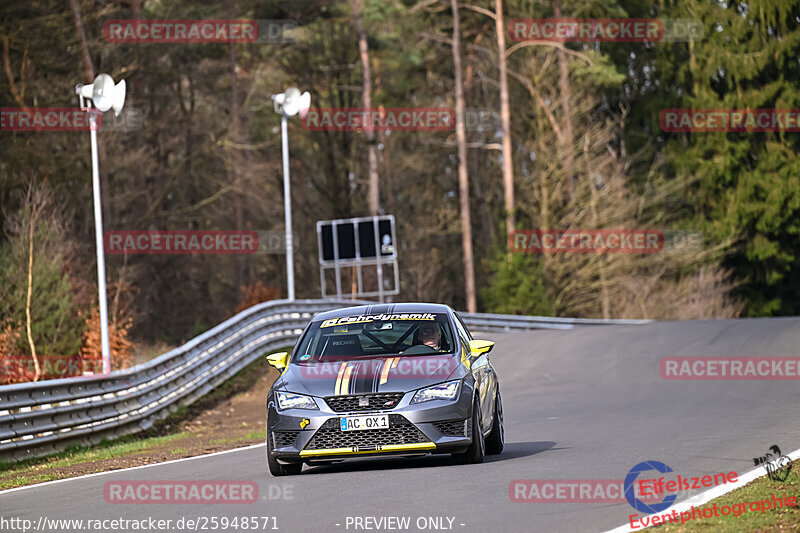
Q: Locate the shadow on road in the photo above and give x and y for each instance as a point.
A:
(513, 450)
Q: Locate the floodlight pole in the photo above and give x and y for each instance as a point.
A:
(102, 101)
(287, 208)
(98, 230)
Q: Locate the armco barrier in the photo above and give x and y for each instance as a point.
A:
(40, 418)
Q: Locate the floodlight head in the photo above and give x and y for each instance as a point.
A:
(294, 102)
(105, 94)
(119, 100)
(292, 93)
(304, 104)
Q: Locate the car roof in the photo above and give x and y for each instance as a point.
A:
(376, 309)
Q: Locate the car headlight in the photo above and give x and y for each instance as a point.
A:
(442, 391)
(290, 400)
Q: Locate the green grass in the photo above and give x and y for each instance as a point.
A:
(257, 434)
(761, 489)
(24, 472)
(262, 434)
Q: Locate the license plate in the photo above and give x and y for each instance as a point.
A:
(354, 423)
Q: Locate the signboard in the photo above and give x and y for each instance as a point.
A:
(359, 243)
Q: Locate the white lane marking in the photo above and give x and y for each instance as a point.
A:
(707, 496)
(173, 461)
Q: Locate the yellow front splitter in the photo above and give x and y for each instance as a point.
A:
(357, 450)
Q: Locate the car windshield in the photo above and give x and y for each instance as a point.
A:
(356, 336)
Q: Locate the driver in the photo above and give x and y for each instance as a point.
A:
(430, 335)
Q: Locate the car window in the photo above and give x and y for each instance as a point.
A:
(462, 329)
(376, 335)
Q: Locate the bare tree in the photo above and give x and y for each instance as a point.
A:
(36, 203)
(463, 177)
(88, 67)
(363, 52)
(567, 140)
(505, 118)
(505, 111)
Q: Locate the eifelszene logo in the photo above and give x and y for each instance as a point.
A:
(636, 503)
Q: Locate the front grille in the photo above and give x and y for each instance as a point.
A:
(400, 431)
(377, 402)
(282, 439)
(453, 428)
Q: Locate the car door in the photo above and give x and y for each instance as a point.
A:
(484, 376)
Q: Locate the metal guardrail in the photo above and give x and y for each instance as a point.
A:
(44, 417)
(492, 322)
(41, 418)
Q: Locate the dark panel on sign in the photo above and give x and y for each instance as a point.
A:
(366, 238)
(326, 233)
(385, 234)
(347, 240)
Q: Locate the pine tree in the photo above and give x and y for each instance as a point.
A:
(744, 188)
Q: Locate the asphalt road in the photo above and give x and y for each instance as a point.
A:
(579, 404)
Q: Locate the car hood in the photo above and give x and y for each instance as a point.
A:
(363, 376)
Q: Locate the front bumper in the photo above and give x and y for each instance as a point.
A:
(437, 426)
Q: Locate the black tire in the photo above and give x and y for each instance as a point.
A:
(276, 468)
(496, 439)
(477, 450)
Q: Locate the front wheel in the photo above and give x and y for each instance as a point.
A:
(477, 449)
(496, 439)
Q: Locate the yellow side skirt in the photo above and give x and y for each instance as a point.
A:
(355, 450)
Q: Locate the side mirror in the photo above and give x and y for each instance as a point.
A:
(478, 348)
(278, 360)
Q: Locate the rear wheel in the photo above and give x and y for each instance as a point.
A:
(276, 468)
(496, 439)
(477, 449)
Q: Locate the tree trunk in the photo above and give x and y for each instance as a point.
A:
(463, 177)
(505, 117)
(387, 172)
(88, 68)
(567, 146)
(601, 263)
(235, 140)
(138, 82)
(486, 229)
(32, 223)
(363, 51)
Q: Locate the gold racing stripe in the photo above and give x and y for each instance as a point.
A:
(387, 365)
(346, 380)
(339, 379)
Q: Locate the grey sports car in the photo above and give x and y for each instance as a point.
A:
(391, 379)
